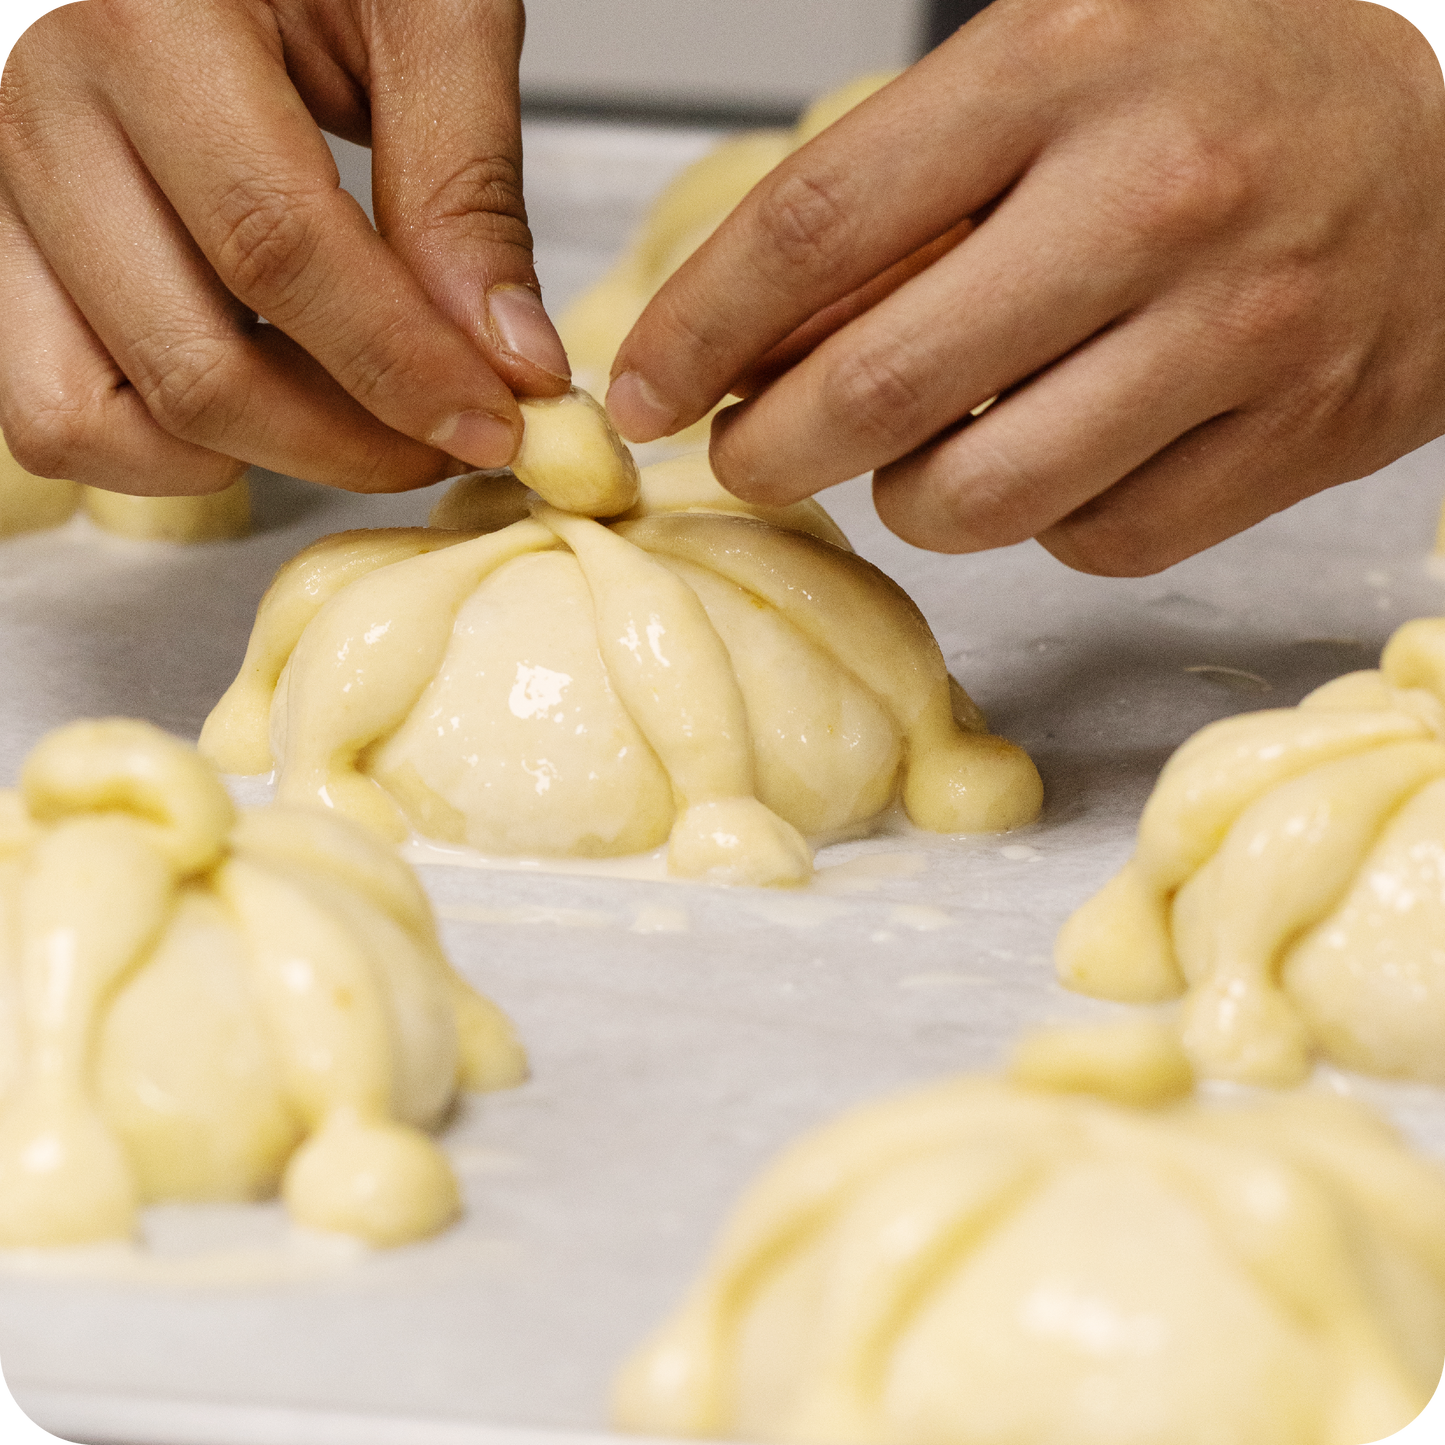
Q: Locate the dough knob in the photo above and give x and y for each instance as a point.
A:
(1252, 1035)
(738, 840)
(1117, 944)
(968, 782)
(571, 457)
(64, 1179)
(383, 1182)
(121, 765)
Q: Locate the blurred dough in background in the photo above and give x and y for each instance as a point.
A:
(1289, 880)
(687, 212)
(32, 504)
(197, 1004)
(1076, 1255)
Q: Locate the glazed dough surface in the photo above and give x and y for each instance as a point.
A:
(1077, 1253)
(1289, 881)
(519, 744)
(718, 677)
(196, 1005)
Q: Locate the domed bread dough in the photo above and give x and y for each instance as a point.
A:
(198, 1005)
(29, 504)
(686, 213)
(1066, 1258)
(689, 673)
(218, 517)
(1289, 880)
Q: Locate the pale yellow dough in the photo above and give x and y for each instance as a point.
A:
(1078, 1255)
(1289, 880)
(571, 457)
(218, 517)
(698, 672)
(687, 212)
(31, 504)
(199, 1005)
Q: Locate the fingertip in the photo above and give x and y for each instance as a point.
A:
(482, 439)
(901, 500)
(638, 410)
(736, 464)
(522, 330)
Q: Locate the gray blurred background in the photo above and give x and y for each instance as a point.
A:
(763, 59)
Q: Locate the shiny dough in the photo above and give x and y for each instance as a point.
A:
(1078, 1253)
(31, 504)
(687, 212)
(698, 672)
(1289, 880)
(196, 1005)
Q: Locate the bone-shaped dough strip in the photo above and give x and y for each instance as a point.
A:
(1286, 860)
(666, 661)
(97, 893)
(365, 660)
(491, 1055)
(676, 680)
(955, 779)
(1222, 769)
(360, 1172)
(236, 736)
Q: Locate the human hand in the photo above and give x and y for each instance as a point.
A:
(163, 181)
(1208, 280)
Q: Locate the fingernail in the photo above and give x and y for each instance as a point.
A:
(477, 438)
(522, 326)
(638, 412)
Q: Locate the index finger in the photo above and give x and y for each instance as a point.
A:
(447, 176)
(256, 186)
(887, 179)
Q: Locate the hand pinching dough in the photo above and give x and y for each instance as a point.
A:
(1078, 1255)
(1289, 880)
(31, 504)
(198, 1005)
(687, 212)
(721, 678)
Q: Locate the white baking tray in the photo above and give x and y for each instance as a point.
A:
(679, 1034)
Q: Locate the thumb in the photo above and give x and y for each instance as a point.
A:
(447, 177)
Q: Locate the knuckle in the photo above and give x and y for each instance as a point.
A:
(372, 372)
(196, 394)
(874, 398)
(1276, 307)
(991, 500)
(1186, 185)
(1079, 28)
(481, 201)
(48, 440)
(805, 221)
(267, 237)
